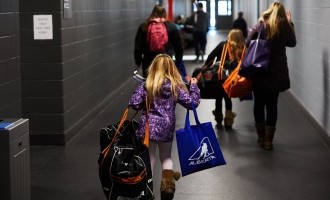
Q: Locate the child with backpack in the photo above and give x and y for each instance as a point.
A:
(163, 89)
(156, 35)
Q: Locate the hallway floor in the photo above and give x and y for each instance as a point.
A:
(297, 169)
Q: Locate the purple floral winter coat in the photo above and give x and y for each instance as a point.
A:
(162, 110)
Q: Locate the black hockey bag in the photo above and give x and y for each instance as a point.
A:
(124, 163)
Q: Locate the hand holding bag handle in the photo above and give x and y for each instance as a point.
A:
(120, 126)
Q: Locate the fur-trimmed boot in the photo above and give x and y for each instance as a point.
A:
(269, 135)
(261, 133)
(229, 118)
(218, 117)
(167, 185)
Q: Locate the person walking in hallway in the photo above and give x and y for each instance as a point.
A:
(161, 91)
(144, 54)
(200, 22)
(276, 26)
(235, 42)
(241, 24)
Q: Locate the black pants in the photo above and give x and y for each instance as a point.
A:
(218, 101)
(265, 106)
(199, 41)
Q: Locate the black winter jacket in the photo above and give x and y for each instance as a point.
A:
(142, 53)
(276, 79)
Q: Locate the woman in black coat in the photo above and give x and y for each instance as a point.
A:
(276, 26)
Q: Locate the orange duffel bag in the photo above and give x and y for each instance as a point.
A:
(237, 86)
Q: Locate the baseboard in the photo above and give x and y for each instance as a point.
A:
(323, 133)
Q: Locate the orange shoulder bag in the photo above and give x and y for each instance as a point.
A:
(235, 85)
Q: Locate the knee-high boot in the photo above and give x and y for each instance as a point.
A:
(229, 118)
(269, 135)
(167, 185)
(261, 133)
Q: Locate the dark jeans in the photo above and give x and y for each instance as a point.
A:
(200, 42)
(218, 101)
(265, 107)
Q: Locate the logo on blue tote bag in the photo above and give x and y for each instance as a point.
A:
(203, 154)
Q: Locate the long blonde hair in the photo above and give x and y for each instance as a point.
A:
(161, 68)
(273, 17)
(236, 43)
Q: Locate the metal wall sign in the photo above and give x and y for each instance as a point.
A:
(67, 9)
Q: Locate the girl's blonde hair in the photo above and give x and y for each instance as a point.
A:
(273, 17)
(236, 43)
(162, 68)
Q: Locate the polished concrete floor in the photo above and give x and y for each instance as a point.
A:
(297, 169)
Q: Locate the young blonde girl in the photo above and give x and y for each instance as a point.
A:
(163, 89)
(236, 43)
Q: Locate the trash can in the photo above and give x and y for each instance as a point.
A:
(14, 160)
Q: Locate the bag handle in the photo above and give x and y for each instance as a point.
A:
(225, 48)
(238, 66)
(209, 64)
(187, 122)
(262, 27)
(147, 131)
(120, 125)
(203, 68)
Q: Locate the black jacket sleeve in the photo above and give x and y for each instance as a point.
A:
(215, 54)
(139, 45)
(175, 40)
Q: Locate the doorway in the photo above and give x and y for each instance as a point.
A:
(220, 13)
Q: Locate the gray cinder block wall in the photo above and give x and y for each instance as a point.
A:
(309, 61)
(66, 80)
(10, 78)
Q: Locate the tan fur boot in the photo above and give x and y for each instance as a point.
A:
(261, 133)
(167, 185)
(269, 135)
(229, 118)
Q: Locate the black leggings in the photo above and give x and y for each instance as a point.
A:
(265, 101)
(218, 101)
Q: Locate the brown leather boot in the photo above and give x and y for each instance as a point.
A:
(269, 135)
(261, 133)
(229, 118)
(167, 185)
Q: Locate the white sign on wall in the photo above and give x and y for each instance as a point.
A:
(43, 27)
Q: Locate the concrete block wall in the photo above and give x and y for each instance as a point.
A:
(67, 80)
(309, 61)
(10, 78)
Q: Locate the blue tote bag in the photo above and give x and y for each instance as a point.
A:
(198, 147)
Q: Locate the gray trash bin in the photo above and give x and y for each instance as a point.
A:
(14, 160)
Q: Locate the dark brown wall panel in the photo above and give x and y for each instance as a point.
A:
(10, 77)
(90, 55)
